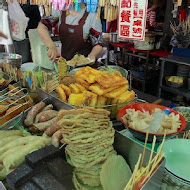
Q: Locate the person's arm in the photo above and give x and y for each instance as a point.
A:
(96, 37)
(46, 39)
(96, 50)
(3, 35)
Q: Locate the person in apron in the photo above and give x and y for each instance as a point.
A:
(74, 36)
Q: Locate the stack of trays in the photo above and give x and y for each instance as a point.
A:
(177, 175)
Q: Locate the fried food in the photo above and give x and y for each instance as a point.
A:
(82, 82)
(3, 108)
(80, 87)
(74, 89)
(90, 136)
(67, 80)
(116, 170)
(129, 95)
(76, 99)
(66, 89)
(88, 74)
(101, 101)
(33, 112)
(44, 125)
(90, 98)
(96, 88)
(14, 160)
(62, 67)
(117, 92)
(61, 93)
(9, 133)
(107, 80)
(78, 59)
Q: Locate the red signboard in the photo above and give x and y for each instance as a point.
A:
(132, 19)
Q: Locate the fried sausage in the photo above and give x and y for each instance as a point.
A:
(44, 125)
(33, 129)
(33, 112)
(52, 129)
(46, 116)
(56, 138)
(48, 107)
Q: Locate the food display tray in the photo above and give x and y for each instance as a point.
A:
(41, 96)
(124, 146)
(47, 168)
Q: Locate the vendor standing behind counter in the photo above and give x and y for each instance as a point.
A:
(74, 32)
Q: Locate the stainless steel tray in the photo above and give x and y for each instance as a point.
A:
(124, 146)
(130, 150)
(41, 96)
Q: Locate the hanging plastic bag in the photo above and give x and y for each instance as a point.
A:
(19, 21)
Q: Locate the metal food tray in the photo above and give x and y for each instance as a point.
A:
(112, 108)
(4, 95)
(41, 96)
(124, 146)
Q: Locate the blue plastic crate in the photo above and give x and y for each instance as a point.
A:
(183, 52)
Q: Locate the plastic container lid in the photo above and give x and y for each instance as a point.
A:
(29, 66)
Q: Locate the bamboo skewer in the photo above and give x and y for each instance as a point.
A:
(152, 164)
(146, 139)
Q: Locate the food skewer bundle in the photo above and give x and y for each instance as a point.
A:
(89, 136)
(14, 146)
(48, 81)
(142, 174)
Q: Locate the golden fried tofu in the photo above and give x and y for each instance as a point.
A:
(82, 82)
(80, 87)
(107, 80)
(87, 73)
(126, 96)
(101, 101)
(61, 93)
(115, 100)
(91, 97)
(96, 88)
(109, 101)
(76, 99)
(74, 89)
(117, 92)
(66, 89)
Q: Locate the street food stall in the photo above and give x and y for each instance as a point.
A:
(79, 125)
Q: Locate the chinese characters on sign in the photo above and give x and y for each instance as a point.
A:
(132, 19)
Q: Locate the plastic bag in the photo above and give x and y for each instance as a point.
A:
(19, 21)
(4, 27)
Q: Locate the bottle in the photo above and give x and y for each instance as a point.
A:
(157, 118)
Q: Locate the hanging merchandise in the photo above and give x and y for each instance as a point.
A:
(110, 9)
(132, 19)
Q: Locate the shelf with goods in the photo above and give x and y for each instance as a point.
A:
(179, 61)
